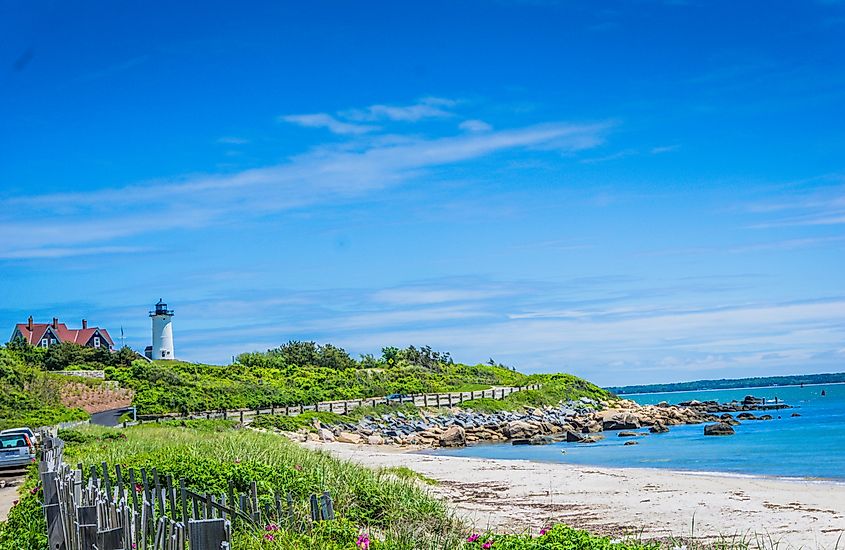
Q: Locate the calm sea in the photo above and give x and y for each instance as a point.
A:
(809, 446)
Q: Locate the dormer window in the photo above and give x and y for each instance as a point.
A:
(45, 342)
(96, 341)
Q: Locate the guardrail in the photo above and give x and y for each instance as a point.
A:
(345, 406)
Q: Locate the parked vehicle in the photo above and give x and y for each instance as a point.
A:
(33, 436)
(17, 450)
(399, 397)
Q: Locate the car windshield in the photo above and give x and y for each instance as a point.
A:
(12, 441)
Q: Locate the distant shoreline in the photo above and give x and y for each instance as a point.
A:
(737, 388)
(732, 384)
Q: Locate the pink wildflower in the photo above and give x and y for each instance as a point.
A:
(487, 544)
(139, 488)
(473, 537)
(272, 527)
(544, 530)
(270, 537)
(363, 542)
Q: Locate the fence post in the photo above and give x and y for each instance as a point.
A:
(242, 417)
(208, 534)
(425, 400)
(346, 407)
(55, 530)
(315, 509)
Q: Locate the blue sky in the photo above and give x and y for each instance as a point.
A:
(640, 191)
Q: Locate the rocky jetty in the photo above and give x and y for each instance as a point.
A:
(582, 421)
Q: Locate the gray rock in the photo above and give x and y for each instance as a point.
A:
(720, 428)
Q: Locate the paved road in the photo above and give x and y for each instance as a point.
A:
(9, 493)
(109, 418)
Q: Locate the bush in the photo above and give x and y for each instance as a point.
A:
(559, 537)
(25, 528)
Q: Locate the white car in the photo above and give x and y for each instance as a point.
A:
(17, 448)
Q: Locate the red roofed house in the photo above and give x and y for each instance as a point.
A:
(48, 334)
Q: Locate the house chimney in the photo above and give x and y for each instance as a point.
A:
(84, 324)
(29, 324)
(55, 322)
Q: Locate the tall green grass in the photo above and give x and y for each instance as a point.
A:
(210, 454)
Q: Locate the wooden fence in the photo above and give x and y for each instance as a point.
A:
(110, 509)
(343, 407)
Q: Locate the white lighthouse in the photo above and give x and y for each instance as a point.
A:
(162, 347)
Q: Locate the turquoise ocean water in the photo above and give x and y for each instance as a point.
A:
(809, 446)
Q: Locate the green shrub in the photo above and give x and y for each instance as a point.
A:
(559, 537)
(25, 527)
(294, 423)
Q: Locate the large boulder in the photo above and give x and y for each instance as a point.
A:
(375, 440)
(720, 428)
(518, 429)
(325, 434)
(621, 421)
(658, 428)
(348, 437)
(454, 436)
(574, 437)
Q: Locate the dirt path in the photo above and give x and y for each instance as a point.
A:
(8, 493)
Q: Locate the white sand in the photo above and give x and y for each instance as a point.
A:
(513, 495)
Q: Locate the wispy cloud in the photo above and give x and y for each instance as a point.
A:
(326, 174)
(65, 252)
(231, 140)
(474, 125)
(819, 207)
(430, 107)
(323, 120)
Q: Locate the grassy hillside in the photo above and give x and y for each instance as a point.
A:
(301, 373)
(29, 396)
(293, 374)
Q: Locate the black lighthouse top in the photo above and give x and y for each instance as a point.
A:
(161, 309)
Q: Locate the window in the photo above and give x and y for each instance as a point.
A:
(96, 341)
(45, 342)
(163, 353)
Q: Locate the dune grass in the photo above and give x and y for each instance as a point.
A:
(208, 454)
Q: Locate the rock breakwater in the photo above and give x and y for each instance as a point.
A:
(582, 421)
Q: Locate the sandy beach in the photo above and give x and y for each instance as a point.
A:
(512, 495)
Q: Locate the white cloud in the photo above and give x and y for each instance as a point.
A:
(475, 126)
(431, 107)
(326, 174)
(324, 120)
(64, 252)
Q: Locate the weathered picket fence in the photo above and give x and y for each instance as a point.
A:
(110, 509)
